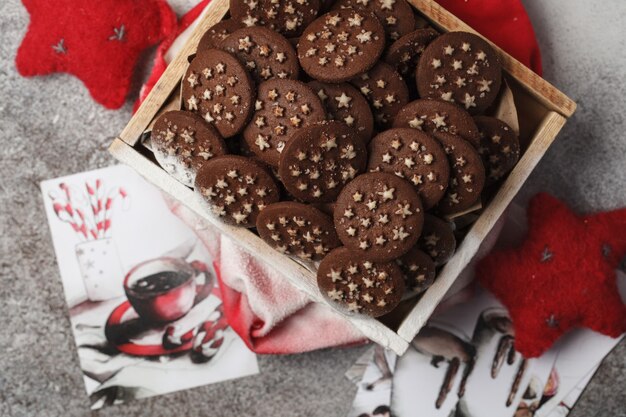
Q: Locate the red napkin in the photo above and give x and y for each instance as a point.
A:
(261, 306)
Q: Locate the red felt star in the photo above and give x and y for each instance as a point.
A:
(97, 41)
(563, 276)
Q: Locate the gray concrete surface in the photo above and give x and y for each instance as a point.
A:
(50, 127)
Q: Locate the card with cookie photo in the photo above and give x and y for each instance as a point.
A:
(144, 304)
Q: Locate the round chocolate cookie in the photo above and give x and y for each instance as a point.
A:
(379, 215)
(340, 45)
(265, 53)
(404, 54)
(182, 141)
(288, 17)
(461, 68)
(418, 270)
(236, 189)
(326, 5)
(212, 38)
(467, 175)
(414, 156)
(395, 15)
(353, 283)
(499, 147)
(438, 116)
(320, 159)
(282, 108)
(218, 88)
(345, 104)
(386, 92)
(297, 229)
(437, 239)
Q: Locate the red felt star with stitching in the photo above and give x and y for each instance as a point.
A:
(563, 276)
(97, 41)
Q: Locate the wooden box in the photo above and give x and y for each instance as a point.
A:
(542, 112)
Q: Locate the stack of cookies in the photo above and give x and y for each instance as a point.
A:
(343, 134)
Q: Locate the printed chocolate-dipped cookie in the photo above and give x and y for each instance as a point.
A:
(404, 54)
(288, 17)
(340, 45)
(414, 156)
(437, 239)
(236, 189)
(212, 38)
(467, 175)
(385, 90)
(499, 147)
(379, 215)
(438, 116)
(345, 104)
(320, 159)
(265, 53)
(395, 15)
(217, 87)
(282, 108)
(418, 270)
(353, 283)
(297, 229)
(182, 141)
(461, 68)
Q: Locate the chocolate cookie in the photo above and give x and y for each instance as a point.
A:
(379, 215)
(353, 283)
(395, 15)
(345, 104)
(499, 147)
(265, 53)
(212, 38)
(182, 141)
(282, 108)
(437, 239)
(438, 116)
(414, 156)
(297, 229)
(340, 45)
(386, 92)
(467, 175)
(461, 68)
(218, 88)
(320, 159)
(326, 5)
(236, 189)
(286, 17)
(418, 270)
(404, 54)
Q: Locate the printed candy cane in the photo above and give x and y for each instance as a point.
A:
(172, 338)
(108, 206)
(69, 205)
(62, 213)
(88, 212)
(93, 203)
(210, 337)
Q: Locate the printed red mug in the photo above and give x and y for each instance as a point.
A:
(161, 290)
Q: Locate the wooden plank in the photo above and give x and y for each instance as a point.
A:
(544, 136)
(546, 93)
(171, 77)
(300, 276)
